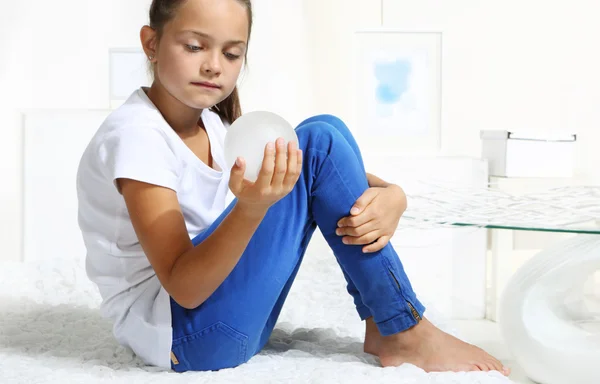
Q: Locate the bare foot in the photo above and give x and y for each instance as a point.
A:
(429, 348)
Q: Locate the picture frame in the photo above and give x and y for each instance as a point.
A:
(128, 70)
(398, 80)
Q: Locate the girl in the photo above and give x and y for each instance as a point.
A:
(193, 284)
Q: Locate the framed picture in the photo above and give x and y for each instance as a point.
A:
(398, 79)
(128, 70)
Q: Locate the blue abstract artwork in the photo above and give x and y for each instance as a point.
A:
(398, 89)
(392, 80)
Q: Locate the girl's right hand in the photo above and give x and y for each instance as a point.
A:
(276, 178)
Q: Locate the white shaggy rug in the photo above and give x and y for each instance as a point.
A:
(51, 332)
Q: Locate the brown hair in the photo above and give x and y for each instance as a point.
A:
(163, 11)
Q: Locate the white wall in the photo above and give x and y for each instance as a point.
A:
(511, 64)
(515, 65)
(278, 76)
(506, 65)
(54, 54)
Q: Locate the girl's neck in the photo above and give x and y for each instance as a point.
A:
(184, 120)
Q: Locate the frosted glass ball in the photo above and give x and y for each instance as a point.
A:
(248, 136)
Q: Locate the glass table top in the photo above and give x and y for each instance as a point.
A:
(592, 228)
(568, 209)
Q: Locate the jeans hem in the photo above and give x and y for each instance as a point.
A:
(418, 306)
(396, 324)
(364, 312)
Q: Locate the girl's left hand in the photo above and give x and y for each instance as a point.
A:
(373, 218)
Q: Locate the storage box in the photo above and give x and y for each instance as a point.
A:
(512, 154)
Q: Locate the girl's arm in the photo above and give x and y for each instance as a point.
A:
(191, 274)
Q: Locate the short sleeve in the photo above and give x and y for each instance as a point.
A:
(140, 153)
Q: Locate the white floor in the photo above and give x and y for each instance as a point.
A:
(51, 332)
(486, 335)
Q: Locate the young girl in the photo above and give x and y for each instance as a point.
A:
(191, 283)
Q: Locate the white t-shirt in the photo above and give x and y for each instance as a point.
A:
(136, 142)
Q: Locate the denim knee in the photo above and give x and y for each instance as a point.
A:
(325, 118)
(318, 134)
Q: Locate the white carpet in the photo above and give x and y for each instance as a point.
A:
(51, 332)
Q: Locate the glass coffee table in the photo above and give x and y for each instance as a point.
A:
(549, 323)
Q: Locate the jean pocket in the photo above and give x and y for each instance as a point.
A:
(215, 347)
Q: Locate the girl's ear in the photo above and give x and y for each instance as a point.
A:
(148, 40)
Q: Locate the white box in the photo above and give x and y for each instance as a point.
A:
(512, 154)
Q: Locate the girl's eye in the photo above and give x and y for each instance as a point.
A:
(231, 56)
(193, 48)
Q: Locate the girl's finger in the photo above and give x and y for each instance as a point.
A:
(236, 178)
(300, 159)
(362, 240)
(268, 166)
(280, 164)
(378, 245)
(291, 175)
(357, 231)
(364, 200)
(358, 220)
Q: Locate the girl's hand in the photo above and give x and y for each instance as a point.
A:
(276, 178)
(373, 218)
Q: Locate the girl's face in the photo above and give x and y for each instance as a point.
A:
(201, 52)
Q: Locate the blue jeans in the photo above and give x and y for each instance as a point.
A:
(235, 322)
